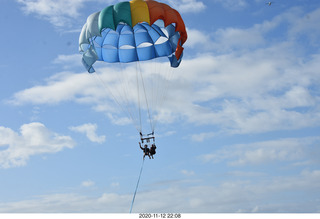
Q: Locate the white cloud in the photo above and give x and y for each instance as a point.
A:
(203, 136)
(265, 194)
(89, 130)
(33, 139)
(88, 183)
(294, 150)
(258, 92)
(305, 25)
(118, 87)
(185, 6)
(57, 12)
(119, 120)
(197, 38)
(229, 39)
(60, 13)
(68, 61)
(60, 87)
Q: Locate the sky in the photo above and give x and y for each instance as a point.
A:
(238, 130)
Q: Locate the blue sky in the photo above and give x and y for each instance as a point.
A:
(238, 131)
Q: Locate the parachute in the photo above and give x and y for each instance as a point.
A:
(130, 32)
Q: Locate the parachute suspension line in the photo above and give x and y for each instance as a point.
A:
(139, 102)
(135, 191)
(163, 95)
(114, 98)
(160, 84)
(168, 78)
(145, 96)
(156, 88)
(124, 82)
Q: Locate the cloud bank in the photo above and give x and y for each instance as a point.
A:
(89, 130)
(33, 139)
(240, 196)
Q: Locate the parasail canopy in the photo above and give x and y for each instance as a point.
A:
(132, 31)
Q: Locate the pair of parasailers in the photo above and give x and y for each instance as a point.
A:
(148, 151)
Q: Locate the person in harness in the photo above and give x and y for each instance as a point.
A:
(146, 150)
(153, 150)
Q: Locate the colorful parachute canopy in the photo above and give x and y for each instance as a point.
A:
(133, 31)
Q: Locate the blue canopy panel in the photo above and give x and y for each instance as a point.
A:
(127, 44)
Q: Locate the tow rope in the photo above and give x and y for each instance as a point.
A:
(135, 192)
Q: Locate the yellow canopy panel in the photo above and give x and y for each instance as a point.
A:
(139, 12)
